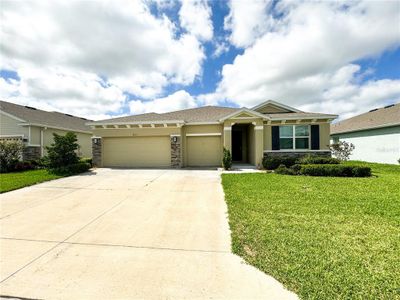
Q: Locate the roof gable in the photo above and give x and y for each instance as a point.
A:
(273, 107)
(246, 113)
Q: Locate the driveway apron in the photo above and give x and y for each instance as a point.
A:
(124, 234)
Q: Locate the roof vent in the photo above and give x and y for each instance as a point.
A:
(30, 107)
(387, 106)
(68, 115)
(373, 110)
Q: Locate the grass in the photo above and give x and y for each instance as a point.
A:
(322, 237)
(17, 180)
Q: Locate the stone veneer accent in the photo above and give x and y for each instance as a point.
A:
(96, 151)
(31, 153)
(326, 153)
(175, 152)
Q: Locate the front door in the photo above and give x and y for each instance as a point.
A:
(237, 153)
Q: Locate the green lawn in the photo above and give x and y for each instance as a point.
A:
(17, 180)
(323, 238)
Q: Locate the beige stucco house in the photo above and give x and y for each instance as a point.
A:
(35, 128)
(196, 137)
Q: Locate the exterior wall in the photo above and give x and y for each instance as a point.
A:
(97, 147)
(35, 135)
(324, 134)
(375, 145)
(251, 137)
(176, 157)
(84, 140)
(9, 126)
(31, 153)
(120, 132)
(298, 153)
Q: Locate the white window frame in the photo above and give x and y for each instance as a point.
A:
(293, 137)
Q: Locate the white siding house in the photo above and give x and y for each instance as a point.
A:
(375, 135)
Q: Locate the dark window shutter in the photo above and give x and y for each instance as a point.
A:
(314, 137)
(275, 137)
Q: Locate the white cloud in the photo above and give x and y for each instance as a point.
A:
(247, 21)
(306, 59)
(93, 51)
(195, 17)
(80, 94)
(176, 101)
(220, 48)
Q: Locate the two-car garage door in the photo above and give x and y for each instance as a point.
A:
(154, 151)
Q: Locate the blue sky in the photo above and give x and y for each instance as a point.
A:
(105, 59)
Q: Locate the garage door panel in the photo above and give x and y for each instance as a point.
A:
(204, 151)
(137, 152)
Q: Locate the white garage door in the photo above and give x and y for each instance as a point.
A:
(137, 152)
(204, 151)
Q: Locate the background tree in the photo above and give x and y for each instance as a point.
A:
(62, 151)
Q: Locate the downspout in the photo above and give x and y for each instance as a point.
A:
(41, 143)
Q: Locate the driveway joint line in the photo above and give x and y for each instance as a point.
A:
(118, 245)
(52, 199)
(68, 237)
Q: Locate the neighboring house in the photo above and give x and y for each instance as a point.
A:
(35, 128)
(375, 134)
(196, 137)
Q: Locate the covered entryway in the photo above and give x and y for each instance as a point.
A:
(242, 143)
(204, 151)
(134, 152)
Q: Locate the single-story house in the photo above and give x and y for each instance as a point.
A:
(375, 134)
(35, 128)
(196, 137)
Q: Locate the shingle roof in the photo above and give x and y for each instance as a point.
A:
(382, 117)
(204, 114)
(199, 114)
(51, 119)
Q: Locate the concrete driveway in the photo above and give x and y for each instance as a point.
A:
(159, 234)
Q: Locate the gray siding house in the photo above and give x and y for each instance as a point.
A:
(35, 128)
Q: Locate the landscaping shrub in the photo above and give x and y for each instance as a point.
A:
(39, 163)
(283, 170)
(23, 166)
(76, 168)
(10, 155)
(335, 170)
(227, 159)
(273, 162)
(63, 151)
(342, 150)
(87, 160)
(317, 160)
(361, 171)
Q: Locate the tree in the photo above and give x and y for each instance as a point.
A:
(63, 151)
(342, 150)
(10, 154)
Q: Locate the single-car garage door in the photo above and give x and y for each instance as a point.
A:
(137, 152)
(203, 151)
